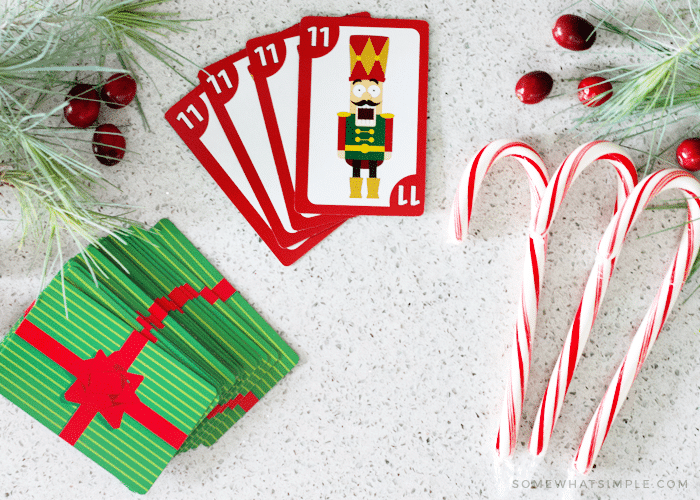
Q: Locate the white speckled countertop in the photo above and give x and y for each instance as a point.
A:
(404, 338)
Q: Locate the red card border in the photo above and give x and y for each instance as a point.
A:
(260, 77)
(298, 221)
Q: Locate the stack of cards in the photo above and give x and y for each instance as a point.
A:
(317, 123)
(158, 357)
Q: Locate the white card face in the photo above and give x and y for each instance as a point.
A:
(331, 94)
(284, 87)
(246, 115)
(281, 85)
(214, 139)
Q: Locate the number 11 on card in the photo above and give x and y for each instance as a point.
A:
(326, 36)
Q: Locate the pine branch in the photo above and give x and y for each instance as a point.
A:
(44, 47)
(661, 90)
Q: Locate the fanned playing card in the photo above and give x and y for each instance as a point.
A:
(234, 98)
(362, 116)
(274, 66)
(300, 129)
(195, 121)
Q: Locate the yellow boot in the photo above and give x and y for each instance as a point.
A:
(372, 188)
(355, 187)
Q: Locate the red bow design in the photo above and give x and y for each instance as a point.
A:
(104, 386)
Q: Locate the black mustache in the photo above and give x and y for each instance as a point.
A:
(366, 103)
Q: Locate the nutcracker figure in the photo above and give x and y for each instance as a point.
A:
(365, 133)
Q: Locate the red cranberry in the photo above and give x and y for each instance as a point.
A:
(119, 90)
(590, 89)
(573, 32)
(83, 106)
(108, 144)
(533, 87)
(688, 154)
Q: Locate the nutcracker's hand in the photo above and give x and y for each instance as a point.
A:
(341, 155)
(387, 155)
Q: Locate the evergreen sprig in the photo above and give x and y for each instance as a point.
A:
(44, 50)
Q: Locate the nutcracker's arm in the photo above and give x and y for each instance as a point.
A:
(388, 131)
(342, 117)
(388, 134)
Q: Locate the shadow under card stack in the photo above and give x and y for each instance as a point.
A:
(309, 126)
(157, 355)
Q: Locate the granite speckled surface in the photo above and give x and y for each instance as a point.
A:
(403, 338)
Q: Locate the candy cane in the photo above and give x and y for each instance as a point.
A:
(475, 172)
(532, 277)
(648, 331)
(572, 166)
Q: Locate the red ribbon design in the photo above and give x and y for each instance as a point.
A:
(104, 385)
(177, 299)
(245, 402)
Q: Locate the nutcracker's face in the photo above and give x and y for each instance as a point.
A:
(366, 101)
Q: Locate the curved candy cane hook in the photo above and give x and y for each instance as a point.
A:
(609, 248)
(565, 175)
(532, 277)
(571, 168)
(469, 184)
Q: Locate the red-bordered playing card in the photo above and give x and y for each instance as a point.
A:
(274, 66)
(363, 86)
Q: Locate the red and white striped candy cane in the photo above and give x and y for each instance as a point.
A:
(572, 166)
(648, 331)
(532, 277)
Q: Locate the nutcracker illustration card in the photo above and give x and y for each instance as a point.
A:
(362, 116)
